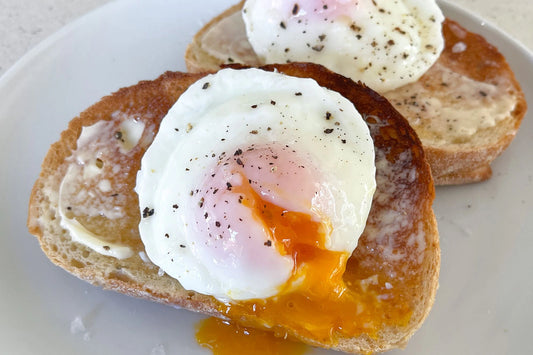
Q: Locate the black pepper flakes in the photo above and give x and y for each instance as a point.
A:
(217, 223)
(355, 28)
(399, 30)
(239, 161)
(282, 25)
(268, 243)
(295, 9)
(237, 152)
(328, 115)
(298, 94)
(228, 185)
(118, 135)
(328, 130)
(106, 247)
(253, 106)
(175, 206)
(205, 86)
(182, 246)
(147, 212)
(272, 102)
(254, 131)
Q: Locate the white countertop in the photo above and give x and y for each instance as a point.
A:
(25, 23)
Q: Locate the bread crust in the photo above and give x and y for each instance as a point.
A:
(451, 162)
(401, 215)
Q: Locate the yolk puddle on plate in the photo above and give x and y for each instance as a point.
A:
(225, 338)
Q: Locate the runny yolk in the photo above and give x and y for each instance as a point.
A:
(296, 234)
(225, 338)
(316, 302)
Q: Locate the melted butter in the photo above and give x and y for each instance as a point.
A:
(129, 134)
(91, 196)
(82, 235)
(225, 338)
(455, 114)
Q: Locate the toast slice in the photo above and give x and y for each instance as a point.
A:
(466, 108)
(394, 269)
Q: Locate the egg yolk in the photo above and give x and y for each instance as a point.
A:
(296, 234)
(225, 338)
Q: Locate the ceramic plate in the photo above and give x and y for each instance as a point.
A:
(484, 302)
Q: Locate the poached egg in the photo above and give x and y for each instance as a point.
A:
(255, 184)
(385, 44)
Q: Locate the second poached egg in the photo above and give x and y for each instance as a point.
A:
(385, 44)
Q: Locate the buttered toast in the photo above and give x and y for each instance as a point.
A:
(466, 108)
(86, 215)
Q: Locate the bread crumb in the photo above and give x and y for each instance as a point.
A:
(158, 350)
(77, 327)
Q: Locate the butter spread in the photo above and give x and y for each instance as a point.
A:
(455, 114)
(130, 133)
(85, 189)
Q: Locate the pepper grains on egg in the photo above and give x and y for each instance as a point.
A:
(382, 43)
(269, 169)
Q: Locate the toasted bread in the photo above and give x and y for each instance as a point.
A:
(394, 268)
(466, 109)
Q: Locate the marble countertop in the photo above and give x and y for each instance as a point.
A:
(25, 23)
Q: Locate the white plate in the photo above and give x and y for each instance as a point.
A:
(484, 302)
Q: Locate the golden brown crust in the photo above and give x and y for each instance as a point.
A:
(405, 188)
(451, 163)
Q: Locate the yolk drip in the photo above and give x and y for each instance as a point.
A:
(296, 234)
(316, 301)
(224, 338)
